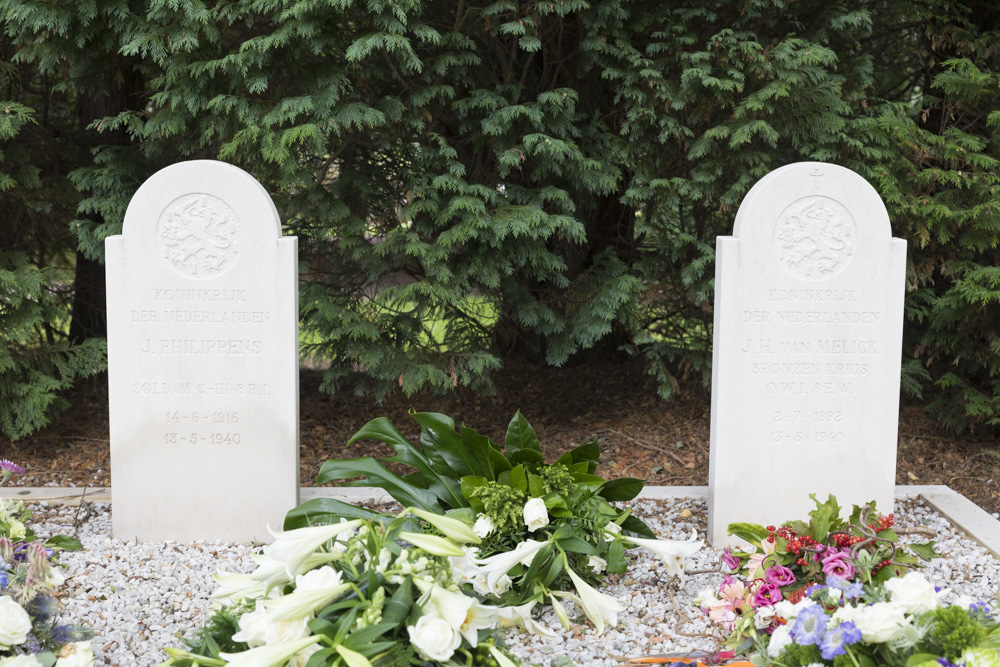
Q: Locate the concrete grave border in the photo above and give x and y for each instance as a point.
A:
(965, 515)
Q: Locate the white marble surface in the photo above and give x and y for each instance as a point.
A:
(807, 344)
(203, 359)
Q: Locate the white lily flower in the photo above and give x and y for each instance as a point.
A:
(234, 586)
(670, 552)
(303, 603)
(500, 564)
(478, 617)
(270, 572)
(560, 611)
(433, 544)
(458, 531)
(267, 656)
(601, 609)
(448, 605)
(521, 615)
(293, 547)
(464, 568)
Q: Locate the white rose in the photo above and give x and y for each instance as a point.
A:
(434, 638)
(78, 654)
(913, 593)
(253, 625)
(323, 577)
(286, 631)
(780, 638)
(597, 564)
(25, 660)
(483, 526)
(482, 586)
(881, 622)
(535, 514)
(788, 610)
(15, 624)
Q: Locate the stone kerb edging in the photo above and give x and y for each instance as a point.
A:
(968, 517)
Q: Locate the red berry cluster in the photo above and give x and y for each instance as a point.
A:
(797, 543)
(783, 531)
(887, 562)
(844, 540)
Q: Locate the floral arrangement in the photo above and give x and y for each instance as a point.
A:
(546, 529)
(902, 622)
(30, 634)
(783, 562)
(352, 593)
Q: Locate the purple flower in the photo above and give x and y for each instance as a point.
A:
(838, 564)
(809, 625)
(979, 606)
(729, 560)
(945, 662)
(836, 638)
(850, 590)
(11, 468)
(779, 575)
(767, 594)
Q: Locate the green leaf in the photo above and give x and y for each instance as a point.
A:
(443, 446)
(921, 660)
(378, 475)
(823, 517)
(924, 550)
(518, 478)
(577, 545)
(67, 542)
(520, 437)
(398, 606)
(536, 486)
(633, 525)
(622, 489)
(491, 460)
(589, 452)
(540, 561)
(592, 482)
(324, 511)
(751, 532)
(528, 456)
(616, 558)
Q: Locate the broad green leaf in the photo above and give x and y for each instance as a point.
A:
(921, 660)
(381, 477)
(589, 452)
(577, 545)
(536, 486)
(528, 456)
(592, 482)
(751, 532)
(634, 525)
(925, 550)
(520, 436)
(622, 489)
(492, 462)
(67, 542)
(518, 478)
(398, 606)
(324, 511)
(444, 448)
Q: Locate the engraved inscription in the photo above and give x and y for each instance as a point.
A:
(199, 235)
(814, 238)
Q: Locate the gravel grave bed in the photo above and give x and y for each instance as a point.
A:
(142, 597)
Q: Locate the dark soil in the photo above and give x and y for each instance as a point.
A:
(665, 442)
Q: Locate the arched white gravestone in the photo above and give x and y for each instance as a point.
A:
(203, 359)
(807, 346)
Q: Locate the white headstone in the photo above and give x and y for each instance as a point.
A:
(807, 347)
(202, 359)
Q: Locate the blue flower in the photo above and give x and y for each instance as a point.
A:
(850, 590)
(3, 580)
(979, 607)
(809, 625)
(837, 638)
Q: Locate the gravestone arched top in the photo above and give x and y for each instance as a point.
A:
(200, 217)
(810, 221)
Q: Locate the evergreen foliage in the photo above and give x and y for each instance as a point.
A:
(479, 181)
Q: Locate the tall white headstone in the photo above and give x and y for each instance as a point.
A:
(203, 359)
(807, 347)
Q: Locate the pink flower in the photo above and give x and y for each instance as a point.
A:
(729, 560)
(734, 599)
(755, 564)
(767, 594)
(838, 564)
(779, 575)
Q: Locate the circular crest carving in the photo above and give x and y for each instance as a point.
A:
(199, 235)
(815, 238)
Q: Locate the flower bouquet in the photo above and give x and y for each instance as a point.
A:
(549, 532)
(352, 593)
(30, 632)
(782, 562)
(899, 623)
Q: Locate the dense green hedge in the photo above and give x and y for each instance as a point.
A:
(541, 180)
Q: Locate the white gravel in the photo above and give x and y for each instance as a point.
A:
(139, 598)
